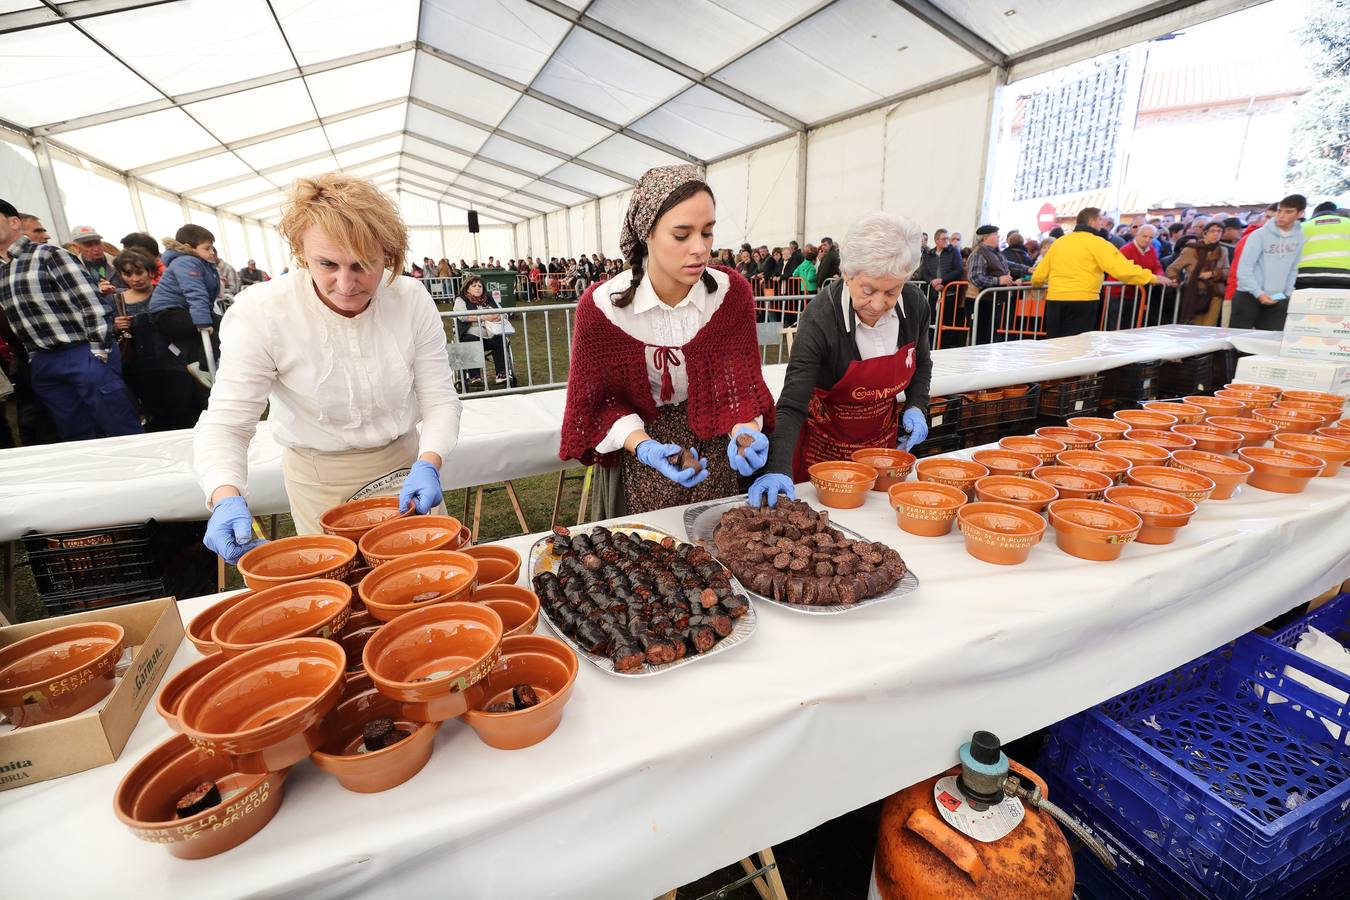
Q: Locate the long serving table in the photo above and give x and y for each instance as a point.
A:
(91, 484)
(651, 782)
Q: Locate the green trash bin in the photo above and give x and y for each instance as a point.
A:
(499, 284)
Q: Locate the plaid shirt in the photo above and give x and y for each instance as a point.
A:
(49, 299)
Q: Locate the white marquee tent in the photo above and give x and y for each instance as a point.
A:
(142, 114)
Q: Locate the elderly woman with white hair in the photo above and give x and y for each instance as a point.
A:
(860, 367)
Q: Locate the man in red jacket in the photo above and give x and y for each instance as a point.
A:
(1123, 302)
(1253, 224)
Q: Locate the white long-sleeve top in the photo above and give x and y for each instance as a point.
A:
(335, 383)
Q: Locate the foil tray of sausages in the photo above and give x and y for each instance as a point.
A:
(635, 600)
(701, 522)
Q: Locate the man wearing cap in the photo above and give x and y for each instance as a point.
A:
(987, 268)
(59, 318)
(1232, 233)
(95, 261)
(1325, 262)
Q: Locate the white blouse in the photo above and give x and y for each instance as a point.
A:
(655, 324)
(334, 383)
(873, 340)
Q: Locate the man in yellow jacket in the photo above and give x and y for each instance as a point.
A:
(1073, 266)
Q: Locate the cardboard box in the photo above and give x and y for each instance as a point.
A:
(1332, 349)
(1320, 326)
(1320, 301)
(96, 736)
(1301, 374)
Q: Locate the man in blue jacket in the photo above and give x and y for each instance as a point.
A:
(182, 304)
(1267, 269)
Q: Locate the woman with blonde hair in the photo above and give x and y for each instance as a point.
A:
(351, 356)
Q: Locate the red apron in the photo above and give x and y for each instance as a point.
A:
(859, 411)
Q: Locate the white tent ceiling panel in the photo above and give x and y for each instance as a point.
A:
(479, 186)
(133, 141)
(605, 79)
(509, 37)
(1015, 27)
(374, 168)
(243, 114)
(437, 173)
(382, 147)
(467, 93)
(556, 194)
(771, 207)
(527, 202)
(284, 177)
(356, 128)
(707, 124)
(807, 86)
(55, 73)
(453, 215)
(199, 173)
(628, 156)
(448, 158)
(516, 154)
(231, 194)
(587, 179)
(335, 28)
(282, 150)
(9, 6)
(444, 129)
(417, 210)
(544, 124)
(361, 84)
(195, 44)
(497, 173)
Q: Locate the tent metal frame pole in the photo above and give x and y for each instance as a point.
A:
(138, 211)
(802, 141)
(50, 187)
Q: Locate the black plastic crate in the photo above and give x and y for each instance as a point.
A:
(1071, 396)
(1126, 386)
(935, 445)
(103, 597)
(944, 415)
(976, 414)
(1192, 375)
(69, 561)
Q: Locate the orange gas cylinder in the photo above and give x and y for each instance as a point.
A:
(920, 855)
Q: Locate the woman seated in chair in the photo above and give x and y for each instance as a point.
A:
(491, 328)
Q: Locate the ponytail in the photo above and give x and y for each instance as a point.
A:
(620, 299)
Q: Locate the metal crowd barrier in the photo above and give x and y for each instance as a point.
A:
(552, 369)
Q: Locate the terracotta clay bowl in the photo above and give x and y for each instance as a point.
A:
(409, 534)
(1000, 533)
(1027, 493)
(1163, 512)
(1300, 420)
(1016, 390)
(1111, 465)
(1044, 449)
(1281, 471)
(1254, 432)
(297, 559)
(354, 518)
(172, 690)
(1093, 529)
(199, 629)
(926, 508)
(842, 484)
(59, 673)
(1228, 473)
(428, 658)
(264, 707)
(145, 800)
(1168, 440)
(465, 539)
(1081, 484)
(1145, 418)
(1185, 413)
(1331, 450)
(1217, 406)
(1137, 452)
(1109, 429)
(1188, 483)
(343, 753)
(497, 564)
(1073, 438)
(1339, 430)
(1250, 400)
(516, 604)
(1211, 438)
(1006, 462)
(545, 664)
(315, 608)
(1328, 412)
(360, 628)
(417, 581)
(1325, 397)
(1249, 388)
(958, 473)
(893, 466)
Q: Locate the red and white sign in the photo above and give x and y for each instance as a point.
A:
(1045, 218)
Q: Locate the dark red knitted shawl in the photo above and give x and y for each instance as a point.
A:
(608, 375)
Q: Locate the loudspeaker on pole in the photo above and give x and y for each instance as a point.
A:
(473, 221)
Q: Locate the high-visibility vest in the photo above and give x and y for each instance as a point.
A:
(1326, 245)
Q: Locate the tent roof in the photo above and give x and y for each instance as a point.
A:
(512, 107)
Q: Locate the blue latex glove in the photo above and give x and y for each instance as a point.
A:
(229, 533)
(422, 487)
(916, 425)
(755, 456)
(769, 486)
(656, 455)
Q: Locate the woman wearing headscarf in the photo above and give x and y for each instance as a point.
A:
(665, 362)
(351, 358)
(1206, 265)
(861, 344)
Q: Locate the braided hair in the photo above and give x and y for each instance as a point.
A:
(638, 256)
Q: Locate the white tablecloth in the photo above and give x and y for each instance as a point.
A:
(651, 782)
(89, 484)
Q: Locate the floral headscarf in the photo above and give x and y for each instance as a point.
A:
(651, 191)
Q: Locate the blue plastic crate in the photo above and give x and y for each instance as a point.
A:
(1198, 767)
(1333, 618)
